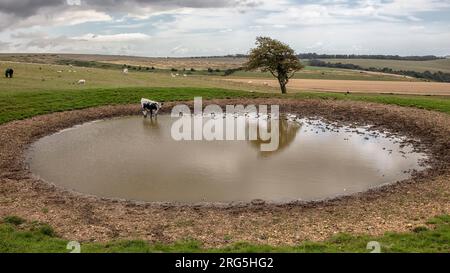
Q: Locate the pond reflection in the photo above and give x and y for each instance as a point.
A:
(287, 132)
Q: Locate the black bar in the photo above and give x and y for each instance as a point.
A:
(223, 262)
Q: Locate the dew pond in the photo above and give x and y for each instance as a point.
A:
(137, 159)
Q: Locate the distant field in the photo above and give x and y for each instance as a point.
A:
(39, 77)
(178, 63)
(324, 73)
(200, 65)
(160, 63)
(368, 87)
(419, 66)
(48, 77)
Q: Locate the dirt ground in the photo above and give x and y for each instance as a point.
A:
(398, 207)
(342, 86)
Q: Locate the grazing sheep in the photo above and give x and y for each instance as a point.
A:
(184, 75)
(125, 71)
(83, 82)
(148, 106)
(9, 72)
(173, 75)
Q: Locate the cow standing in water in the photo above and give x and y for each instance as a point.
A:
(9, 73)
(149, 106)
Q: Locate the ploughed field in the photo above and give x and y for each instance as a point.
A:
(382, 87)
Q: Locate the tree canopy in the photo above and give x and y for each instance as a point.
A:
(276, 57)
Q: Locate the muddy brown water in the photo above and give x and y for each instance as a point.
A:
(137, 159)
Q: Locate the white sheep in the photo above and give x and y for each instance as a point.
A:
(125, 71)
(83, 82)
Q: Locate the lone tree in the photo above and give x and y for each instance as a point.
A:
(276, 57)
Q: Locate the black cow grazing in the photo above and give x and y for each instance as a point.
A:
(9, 73)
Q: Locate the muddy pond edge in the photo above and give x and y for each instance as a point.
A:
(430, 131)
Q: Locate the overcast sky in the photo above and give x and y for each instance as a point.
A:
(219, 27)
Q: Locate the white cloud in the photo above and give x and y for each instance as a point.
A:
(73, 2)
(80, 17)
(120, 37)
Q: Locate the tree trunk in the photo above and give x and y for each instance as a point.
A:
(283, 87)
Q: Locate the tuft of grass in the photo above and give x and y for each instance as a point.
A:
(14, 220)
(41, 238)
(29, 238)
(420, 229)
(46, 230)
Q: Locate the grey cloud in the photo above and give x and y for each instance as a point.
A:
(25, 8)
(49, 42)
(135, 6)
(4, 45)
(13, 12)
(27, 35)
(169, 3)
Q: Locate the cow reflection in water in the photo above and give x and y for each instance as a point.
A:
(153, 125)
(287, 132)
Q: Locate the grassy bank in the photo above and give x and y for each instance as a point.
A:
(21, 105)
(20, 236)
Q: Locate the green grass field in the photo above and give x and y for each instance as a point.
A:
(40, 90)
(419, 66)
(43, 77)
(20, 236)
(21, 105)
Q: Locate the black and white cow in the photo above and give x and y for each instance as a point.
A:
(9, 72)
(149, 106)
